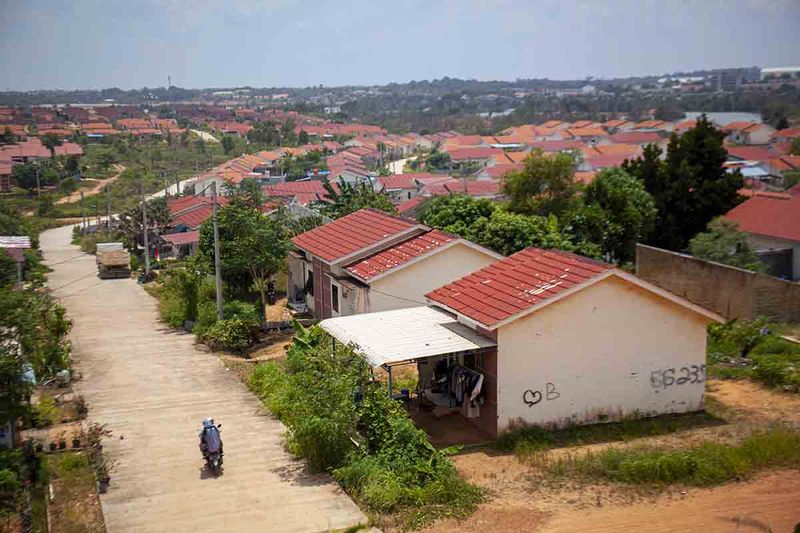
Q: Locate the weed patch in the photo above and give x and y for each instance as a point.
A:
(526, 441)
(708, 464)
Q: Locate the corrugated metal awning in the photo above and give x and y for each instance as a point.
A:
(402, 335)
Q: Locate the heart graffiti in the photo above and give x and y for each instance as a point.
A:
(531, 397)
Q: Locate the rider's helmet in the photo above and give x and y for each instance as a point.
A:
(208, 422)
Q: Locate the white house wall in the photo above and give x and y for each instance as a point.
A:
(609, 351)
(407, 287)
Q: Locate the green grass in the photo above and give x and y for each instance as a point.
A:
(705, 465)
(737, 350)
(527, 441)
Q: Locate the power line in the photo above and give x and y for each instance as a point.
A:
(398, 297)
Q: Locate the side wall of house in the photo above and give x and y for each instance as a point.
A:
(609, 351)
(407, 287)
(322, 290)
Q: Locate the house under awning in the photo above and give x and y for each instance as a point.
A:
(405, 335)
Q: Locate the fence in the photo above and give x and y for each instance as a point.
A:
(731, 292)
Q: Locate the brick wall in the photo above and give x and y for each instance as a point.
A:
(729, 291)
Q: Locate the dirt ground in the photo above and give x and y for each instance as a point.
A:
(518, 499)
(98, 188)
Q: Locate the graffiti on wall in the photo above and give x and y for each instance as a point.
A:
(532, 397)
(671, 377)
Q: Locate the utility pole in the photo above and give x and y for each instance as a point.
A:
(217, 265)
(83, 213)
(108, 207)
(144, 233)
(38, 187)
(177, 185)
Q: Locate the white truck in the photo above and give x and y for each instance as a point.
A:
(112, 261)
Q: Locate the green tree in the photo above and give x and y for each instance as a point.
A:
(618, 212)
(24, 176)
(200, 146)
(350, 197)
(50, 141)
(724, 243)
(795, 149)
(33, 336)
(228, 144)
(455, 213)
(508, 233)
(545, 186)
(437, 160)
(253, 247)
(690, 187)
(302, 138)
(130, 221)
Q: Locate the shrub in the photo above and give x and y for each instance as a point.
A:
(778, 370)
(232, 333)
(735, 338)
(73, 461)
(341, 421)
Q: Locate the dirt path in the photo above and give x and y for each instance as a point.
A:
(519, 500)
(753, 403)
(98, 188)
(153, 387)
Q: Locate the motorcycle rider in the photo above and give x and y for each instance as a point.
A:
(210, 439)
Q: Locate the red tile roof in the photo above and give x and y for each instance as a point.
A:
(471, 154)
(409, 207)
(187, 237)
(351, 233)
(599, 162)
(635, 137)
(457, 186)
(556, 146)
(193, 219)
(788, 133)
(750, 153)
(515, 284)
(398, 181)
(399, 254)
(770, 215)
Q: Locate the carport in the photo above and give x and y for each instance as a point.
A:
(455, 364)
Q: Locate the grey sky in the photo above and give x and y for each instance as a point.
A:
(72, 44)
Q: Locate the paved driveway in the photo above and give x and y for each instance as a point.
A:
(153, 389)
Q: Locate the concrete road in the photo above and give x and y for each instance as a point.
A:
(153, 388)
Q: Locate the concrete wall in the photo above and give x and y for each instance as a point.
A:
(407, 287)
(608, 351)
(729, 291)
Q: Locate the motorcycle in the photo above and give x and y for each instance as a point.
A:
(213, 459)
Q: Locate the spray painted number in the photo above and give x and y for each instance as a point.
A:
(665, 378)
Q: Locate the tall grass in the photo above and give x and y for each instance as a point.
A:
(708, 464)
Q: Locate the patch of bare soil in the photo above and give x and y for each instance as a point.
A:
(770, 502)
(277, 312)
(521, 499)
(273, 347)
(753, 403)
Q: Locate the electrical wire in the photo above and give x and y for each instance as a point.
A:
(398, 297)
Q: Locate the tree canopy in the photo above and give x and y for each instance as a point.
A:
(690, 187)
(724, 243)
(544, 186)
(351, 197)
(252, 246)
(487, 224)
(618, 212)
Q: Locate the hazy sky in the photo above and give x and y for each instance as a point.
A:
(72, 44)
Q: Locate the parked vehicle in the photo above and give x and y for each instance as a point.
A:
(112, 261)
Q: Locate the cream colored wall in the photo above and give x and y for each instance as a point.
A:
(599, 355)
(414, 281)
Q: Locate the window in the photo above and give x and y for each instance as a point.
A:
(335, 297)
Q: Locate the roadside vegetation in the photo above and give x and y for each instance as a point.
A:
(749, 349)
(347, 425)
